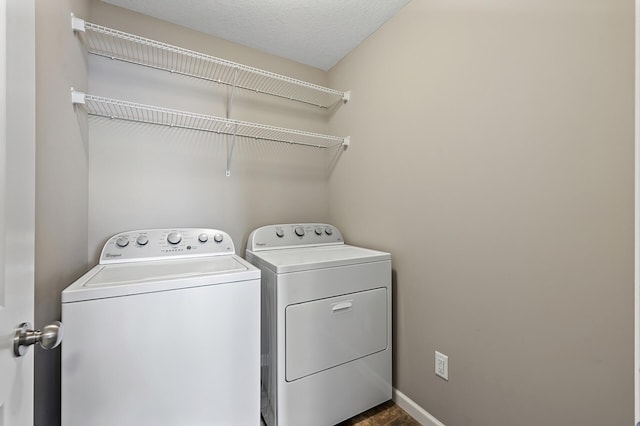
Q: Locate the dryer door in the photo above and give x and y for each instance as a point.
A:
(328, 332)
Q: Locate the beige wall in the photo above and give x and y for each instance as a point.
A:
(61, 184)
(149, 176)
(492, 155)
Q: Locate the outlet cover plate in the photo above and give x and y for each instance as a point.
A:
(442, 365)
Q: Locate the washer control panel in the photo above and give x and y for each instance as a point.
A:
(293, 235)
(156, 244)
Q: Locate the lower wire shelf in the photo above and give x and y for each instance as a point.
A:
(131, 111)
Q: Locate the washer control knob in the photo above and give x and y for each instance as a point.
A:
(299, 231)
(318, 230)
(203, 238)
(328, 230)
(142, 240)
(174, 238)
(279, 233)
(122, 242)
(218, 238)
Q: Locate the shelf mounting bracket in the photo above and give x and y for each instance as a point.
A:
(77, 24)
(345, 143)
(77, 97)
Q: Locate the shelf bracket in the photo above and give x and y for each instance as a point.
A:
(77, 24)
(346, 96)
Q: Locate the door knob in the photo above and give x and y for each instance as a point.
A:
(49, 337)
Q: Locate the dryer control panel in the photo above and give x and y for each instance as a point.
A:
(293, 235)
(156, 244)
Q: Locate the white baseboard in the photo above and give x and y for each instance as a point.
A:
(414, 410)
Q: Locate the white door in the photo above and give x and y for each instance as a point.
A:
(17, 195)
(637, 220)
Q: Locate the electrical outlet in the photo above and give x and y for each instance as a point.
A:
(442, 365)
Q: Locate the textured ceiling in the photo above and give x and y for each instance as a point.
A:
(314, 32)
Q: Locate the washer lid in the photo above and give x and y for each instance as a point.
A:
(124, 279)
(309, 258)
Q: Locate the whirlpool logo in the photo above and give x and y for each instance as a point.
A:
(113, 255)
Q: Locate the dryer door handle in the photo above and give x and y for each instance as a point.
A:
(342, 306)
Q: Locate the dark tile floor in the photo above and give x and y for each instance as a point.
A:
(387, 414)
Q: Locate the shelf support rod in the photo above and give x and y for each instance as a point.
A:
(230, 149)
(231, 145)
(233, 90)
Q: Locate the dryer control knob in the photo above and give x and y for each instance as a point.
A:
(174, 238)
(318, 230)
(122, 242)
(299, 231)
(328, 231)
(142, 240)
(218, 238)
(279, 233)
(203, 238)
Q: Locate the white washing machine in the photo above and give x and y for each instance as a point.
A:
(165, 330)
(326, 324)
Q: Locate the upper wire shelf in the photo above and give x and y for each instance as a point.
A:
(130, 111)
(131, 48)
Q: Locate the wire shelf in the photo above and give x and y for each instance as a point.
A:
(131, 48)
(130, 111)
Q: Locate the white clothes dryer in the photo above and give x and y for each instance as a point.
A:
(165, 330)
(326, 324)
